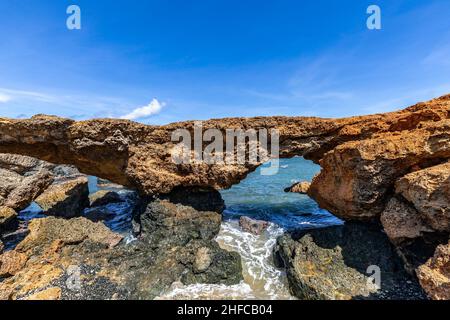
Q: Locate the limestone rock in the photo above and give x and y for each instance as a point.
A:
(335, 264)
(139, 156)
(176, 242)
(11, 262)
(300, 187)
(357, 177)
(104, 197)
(73, 231)
(434, 276)
(49, 294)
(66, 199)
(429, 191)
(253, 226)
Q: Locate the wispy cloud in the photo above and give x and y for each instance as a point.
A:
(152, 108)
(4, 98)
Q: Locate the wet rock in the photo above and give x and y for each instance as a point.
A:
(104, 197)
(11, 262)
(434, 276)
(2, 246)
(300, 187)
(7, 218)
(253, 226)
(67, 198)
(429, 191)
(335, 263)
(402, 222)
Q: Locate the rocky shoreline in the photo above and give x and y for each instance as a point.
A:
(387, 176)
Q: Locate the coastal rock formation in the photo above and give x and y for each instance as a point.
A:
(336, 263)
(79, 259)
(7, 217)
(23, 179)
(253, 226)
(428, 190)
(67, 198)
(434, 276)
(402, 222)
(357, 177)
(389, 167)
(140, 156)
(300, 187)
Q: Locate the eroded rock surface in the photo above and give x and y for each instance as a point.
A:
(434, 276)
(175, 244)
(300, 187)
(67, 198)
(253, 226)
(140, 156)
(335, 263)
(23, 179)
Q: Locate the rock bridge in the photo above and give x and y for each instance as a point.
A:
(392, 169)
(361, 157)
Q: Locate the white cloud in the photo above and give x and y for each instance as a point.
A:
(4, 98)
(152, 108)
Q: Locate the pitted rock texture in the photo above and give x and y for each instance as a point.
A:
(336, 263)
(175, 244)
(300, 187)
(67, 198)
(139, 156)
(428, 191)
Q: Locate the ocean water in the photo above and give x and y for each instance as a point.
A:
(261, 197)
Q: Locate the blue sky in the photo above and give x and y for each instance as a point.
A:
(205, 59)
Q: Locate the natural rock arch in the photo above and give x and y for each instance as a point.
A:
(361, 157)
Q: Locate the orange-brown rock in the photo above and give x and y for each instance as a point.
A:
(139, 156)
(300, 187)
(428, 190)
(434, 276)
(49, 294)
(22, 180)
(12, 262)
(7, 215)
